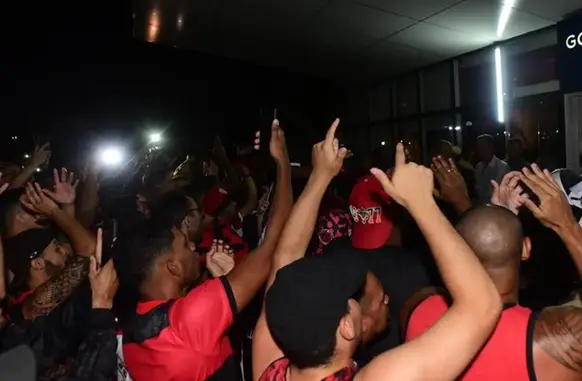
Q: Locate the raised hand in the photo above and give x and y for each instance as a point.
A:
(37, 201)
(278, 145)
(219, 260)
(104, 282)
(65, 187)
(327, 157)
(411, 184)
(41, 154)
(4, 186)
(554, 210)
(452, 185)
(509, 193)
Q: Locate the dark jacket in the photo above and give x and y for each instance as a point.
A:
(72, 340)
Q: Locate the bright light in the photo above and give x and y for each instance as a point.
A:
(499, 85)
(506, 9)
(111, 156)
(458, 128)
(450, 128)
(26, 156)
(383, 143)
(155, 138)
(38, 169)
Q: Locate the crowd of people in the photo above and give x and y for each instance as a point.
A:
(242, 268)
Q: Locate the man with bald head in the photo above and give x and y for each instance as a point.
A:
(525, 346)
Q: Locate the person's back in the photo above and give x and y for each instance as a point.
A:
(506, 356)
(525, 345)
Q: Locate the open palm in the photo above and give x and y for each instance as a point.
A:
(65, 187)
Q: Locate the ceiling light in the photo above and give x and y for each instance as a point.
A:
(499, 85)
(504, 16)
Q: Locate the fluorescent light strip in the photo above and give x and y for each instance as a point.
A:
(504, 16)
(499, 85)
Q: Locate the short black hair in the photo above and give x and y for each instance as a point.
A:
(136, 251)
(487, 138)
(171, 209)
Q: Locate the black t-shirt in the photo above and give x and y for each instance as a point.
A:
(401, 272)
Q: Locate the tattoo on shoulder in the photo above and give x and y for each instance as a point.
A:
(52, 293)
(558, 331)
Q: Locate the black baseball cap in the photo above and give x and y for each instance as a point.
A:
(308, 299)
(24, 247)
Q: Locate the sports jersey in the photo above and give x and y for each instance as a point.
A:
(183, 339)
(507, 355)
(220, 230)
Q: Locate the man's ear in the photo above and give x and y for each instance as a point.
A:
(526, 249)
(38, 264)
(174, 267)
(349, 328)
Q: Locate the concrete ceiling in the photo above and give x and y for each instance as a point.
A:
(348, 40)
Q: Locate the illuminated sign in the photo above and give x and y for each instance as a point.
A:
(574, 40)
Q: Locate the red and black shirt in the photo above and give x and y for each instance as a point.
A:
(221, 230)
(277, 371)
(185, 338)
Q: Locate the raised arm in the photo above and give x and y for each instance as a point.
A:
(327, 160)
(443, 351)
(65, 190)
(40, 156)
(249, 276)
(554, 211)
(53, 292)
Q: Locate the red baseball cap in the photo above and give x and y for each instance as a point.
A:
(368, 207)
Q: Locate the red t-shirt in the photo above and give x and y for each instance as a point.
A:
(277, 371)
(183, 339)
(507, 355)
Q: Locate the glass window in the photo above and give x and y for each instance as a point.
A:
(438, 87)
(406, 89)
(408, 132)
(438, 128)
(537, 122)
(381, 135)
(477, 78)
(532, 67)
(357, 112)
(531, 59)
(478, 121)
(380, 103)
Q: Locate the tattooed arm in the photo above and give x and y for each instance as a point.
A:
(558, 333)
(50, 294)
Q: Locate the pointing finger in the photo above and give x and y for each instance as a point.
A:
(384, 180)
(400, 156)
(330, 136)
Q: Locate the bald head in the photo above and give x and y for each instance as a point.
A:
(495, 235)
